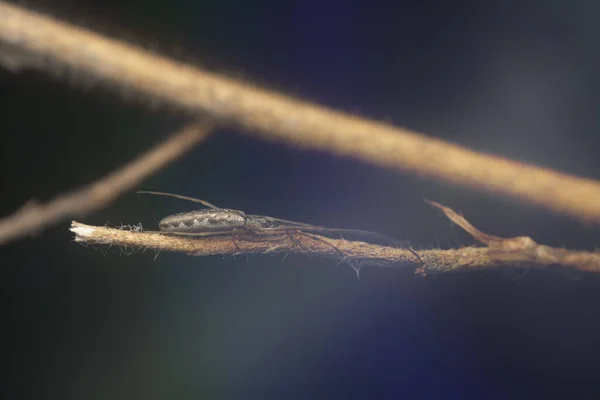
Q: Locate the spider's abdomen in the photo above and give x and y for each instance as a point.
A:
(219, 220)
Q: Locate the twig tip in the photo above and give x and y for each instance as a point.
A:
(81, 232)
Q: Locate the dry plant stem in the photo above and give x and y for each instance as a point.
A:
(33, 217)
(279, 117)
(302, 243)
(504, 253)
(523, 249)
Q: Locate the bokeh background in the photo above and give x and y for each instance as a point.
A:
(517, 79)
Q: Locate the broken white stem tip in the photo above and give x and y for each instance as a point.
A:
(82, 232)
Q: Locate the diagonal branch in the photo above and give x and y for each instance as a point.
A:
(32, 216)
(43, 42)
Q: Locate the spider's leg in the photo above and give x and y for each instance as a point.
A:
(322, 240)
(235, 233)
(416, 255)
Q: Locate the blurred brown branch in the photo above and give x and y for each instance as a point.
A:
(499, 253)
(46, 43)
(33, 217)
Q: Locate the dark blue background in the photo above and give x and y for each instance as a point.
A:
(514, 79)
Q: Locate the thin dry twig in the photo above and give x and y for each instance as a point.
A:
(33, 217)
(279, 117)
(499, 253)
(523, 249)
(296, 242)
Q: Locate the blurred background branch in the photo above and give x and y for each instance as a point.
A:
(32, 217)
(45, 43)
